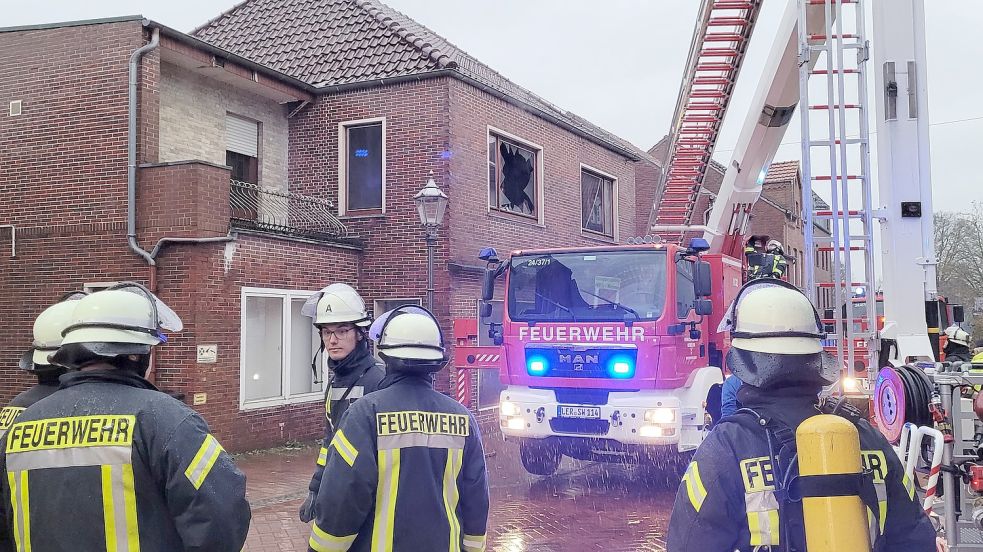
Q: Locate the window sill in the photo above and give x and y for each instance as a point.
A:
(357, 216)
(270, 403)
(520, 219)
(597, 237)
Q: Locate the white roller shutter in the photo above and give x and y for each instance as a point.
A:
(241, 135)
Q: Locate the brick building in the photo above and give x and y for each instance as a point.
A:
(778, 214)
(273, 157)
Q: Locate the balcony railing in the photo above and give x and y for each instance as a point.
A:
(271, 210)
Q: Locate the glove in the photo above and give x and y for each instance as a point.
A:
(307, 508)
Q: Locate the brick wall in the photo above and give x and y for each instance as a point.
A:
(62, 172)
(186, 199)
(203, 283)
(192, 122)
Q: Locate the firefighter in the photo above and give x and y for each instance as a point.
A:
(47, 337)
(779, 261)
(957, 345)
(341, 319)
(737, 492)
(405, 469)
(754, 250)
(111, 463)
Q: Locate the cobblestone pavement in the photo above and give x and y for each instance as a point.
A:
(585, 506)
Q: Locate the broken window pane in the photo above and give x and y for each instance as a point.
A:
(512, 177)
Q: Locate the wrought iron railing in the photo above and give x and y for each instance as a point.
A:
(272, 210)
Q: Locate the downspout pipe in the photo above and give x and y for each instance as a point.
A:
(131, 150)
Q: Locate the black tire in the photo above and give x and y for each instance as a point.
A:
(539, 458)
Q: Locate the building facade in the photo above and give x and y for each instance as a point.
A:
(266, 169)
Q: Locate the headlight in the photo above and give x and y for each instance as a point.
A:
(660, 416)
(509, 409)
(849, 384)
(516, 423)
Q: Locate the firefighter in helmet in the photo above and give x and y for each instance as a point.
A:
(342, 320)
(779, 261)
(405, 469)
(121, 465)
(957, 345)
(47, 337)
(736, 493)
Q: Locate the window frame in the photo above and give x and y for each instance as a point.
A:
(593, 171)
(259, 146)
(680, 315)
(343, 167)
(286, 296)
(538, 171)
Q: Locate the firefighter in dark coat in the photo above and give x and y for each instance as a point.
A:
(735, 494)
(341, 318)
(405, 470)
(111, 463)
(47, 338)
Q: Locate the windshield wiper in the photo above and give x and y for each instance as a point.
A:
(615, 303)
(567, 309)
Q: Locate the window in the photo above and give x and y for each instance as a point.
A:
(685, 293)
(242, 148)
(490, 384)
(597, 198)
(363, 166)
(513, 176)
(278, 343)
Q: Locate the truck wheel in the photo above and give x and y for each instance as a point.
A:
(539, 458)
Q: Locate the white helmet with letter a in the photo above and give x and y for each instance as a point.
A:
(776, 337)
(336, 304)
(411, 336)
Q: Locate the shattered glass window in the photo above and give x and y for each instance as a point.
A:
(512, 177)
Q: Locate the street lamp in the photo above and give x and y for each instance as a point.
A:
(430, 204)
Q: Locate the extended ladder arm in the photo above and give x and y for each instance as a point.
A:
(765, 126)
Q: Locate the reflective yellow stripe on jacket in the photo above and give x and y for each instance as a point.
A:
(322, 541)
(203, 461)
(385, 501)
(474, 543)
(694, 486)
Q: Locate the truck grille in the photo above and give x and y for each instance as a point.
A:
(580, 363)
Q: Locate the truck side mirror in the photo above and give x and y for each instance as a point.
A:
(829, 327)
(488, 284)
(958, 314)
(703, 307)
(485, 311)
(702, 281)
(495, 333)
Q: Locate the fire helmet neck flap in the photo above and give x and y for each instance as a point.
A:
(336, 304)
(409, 338)
(126, 319)
(776, 337)
(48, 328)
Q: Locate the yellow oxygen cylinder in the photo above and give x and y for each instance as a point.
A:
(829, 445)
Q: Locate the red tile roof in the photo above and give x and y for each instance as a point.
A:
(329, 43)
(783, 171)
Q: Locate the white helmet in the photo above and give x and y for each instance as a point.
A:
(957, 335)
(122, 320)
(409, 332)
(773, 245)
(335, 304)
(776, 334)
(48, 328)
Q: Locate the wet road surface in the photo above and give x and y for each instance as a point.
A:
(585, 506)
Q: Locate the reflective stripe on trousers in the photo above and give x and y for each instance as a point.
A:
(762, 518)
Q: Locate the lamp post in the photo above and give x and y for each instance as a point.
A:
(430, 204)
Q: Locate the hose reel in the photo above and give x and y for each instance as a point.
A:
(902, 394)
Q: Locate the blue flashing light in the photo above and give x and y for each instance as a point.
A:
(621, 367)
(537, 366)
(762, 175)
(446, 154)
(361, 153)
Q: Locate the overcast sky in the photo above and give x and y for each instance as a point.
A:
(618, 63)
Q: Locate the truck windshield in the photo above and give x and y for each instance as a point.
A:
(596, 286)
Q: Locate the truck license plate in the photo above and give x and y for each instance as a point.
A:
(579, 412)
